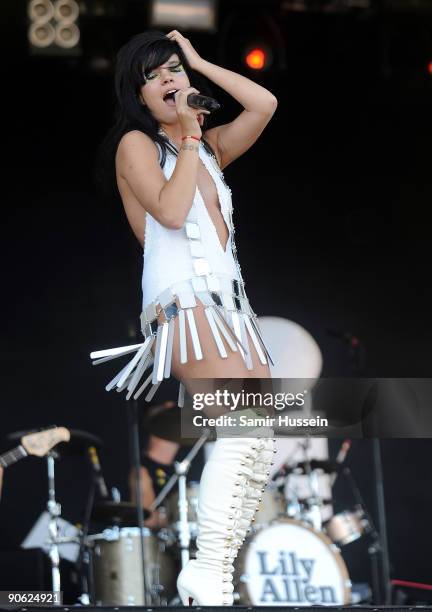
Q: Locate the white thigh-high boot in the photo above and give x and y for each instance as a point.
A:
(222, 519)
(261, 459)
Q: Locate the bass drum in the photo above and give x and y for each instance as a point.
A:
(291, 564)
(116, 565)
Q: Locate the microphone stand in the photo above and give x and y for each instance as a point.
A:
(86, 576)
(54, 510)
(135, 459)
(358, 365)
(382, 520)
(375, 548)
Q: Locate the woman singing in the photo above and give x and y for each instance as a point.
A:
(196, 321)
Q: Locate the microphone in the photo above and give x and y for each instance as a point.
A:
(205, 102)
(343, 451)
(341, 456)
(98, 475)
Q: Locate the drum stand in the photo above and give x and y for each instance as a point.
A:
(181, 470)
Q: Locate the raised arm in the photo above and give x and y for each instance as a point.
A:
(137, 163)
(233, 139)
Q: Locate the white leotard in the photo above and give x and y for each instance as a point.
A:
(181, 267)
(167, 252)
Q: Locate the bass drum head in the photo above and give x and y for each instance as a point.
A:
(290, 564)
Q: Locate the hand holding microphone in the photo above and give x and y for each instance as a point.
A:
(205, 102)
(191, 106)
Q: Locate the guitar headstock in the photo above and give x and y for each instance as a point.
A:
(42, 442)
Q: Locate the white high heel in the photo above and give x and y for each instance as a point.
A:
(231, 474)
(208, 578)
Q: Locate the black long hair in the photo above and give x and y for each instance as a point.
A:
(140, 55)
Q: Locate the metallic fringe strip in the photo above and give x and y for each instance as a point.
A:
(225, 328)
(116, 378)
(254, 324)
(143, 387)
(216, 335)
(160, 353)
(125, 384)
(230, 325)
(227, 319)
(194, 334)
(133, 362)
(182, 336)
(247, 355)
(141, 368)
(108, 354)
(255, 340)
(181, 395)
(146, 362)
(167, 371)
(152, 391)
(236, 327)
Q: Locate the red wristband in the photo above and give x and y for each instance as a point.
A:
(194, 137)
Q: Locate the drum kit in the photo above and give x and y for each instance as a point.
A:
(290, 557)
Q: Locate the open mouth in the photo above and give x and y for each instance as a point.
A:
(169, 97)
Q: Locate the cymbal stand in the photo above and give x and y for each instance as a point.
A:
(181, 470)
(313, 514)
(54, 510)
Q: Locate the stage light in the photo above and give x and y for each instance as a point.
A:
(41, 35)
(257, 57)
(53, 28)
(67, 35)
(40, 11)
(251, 42)
(66, 11)
(429, 68)
(183, 14)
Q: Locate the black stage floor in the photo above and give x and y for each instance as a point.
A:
(209, 608)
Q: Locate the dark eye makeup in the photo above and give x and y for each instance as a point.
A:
(149, 76)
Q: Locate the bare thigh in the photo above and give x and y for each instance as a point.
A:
(212, 365)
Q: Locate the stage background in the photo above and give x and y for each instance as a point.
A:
(331, 207)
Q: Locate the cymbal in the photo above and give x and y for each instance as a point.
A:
(116, 512)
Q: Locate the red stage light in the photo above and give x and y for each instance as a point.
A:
(429, 68)
(256, 59)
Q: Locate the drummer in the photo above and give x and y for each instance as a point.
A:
(157, 464)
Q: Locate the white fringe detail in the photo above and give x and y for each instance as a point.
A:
(231, 326)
